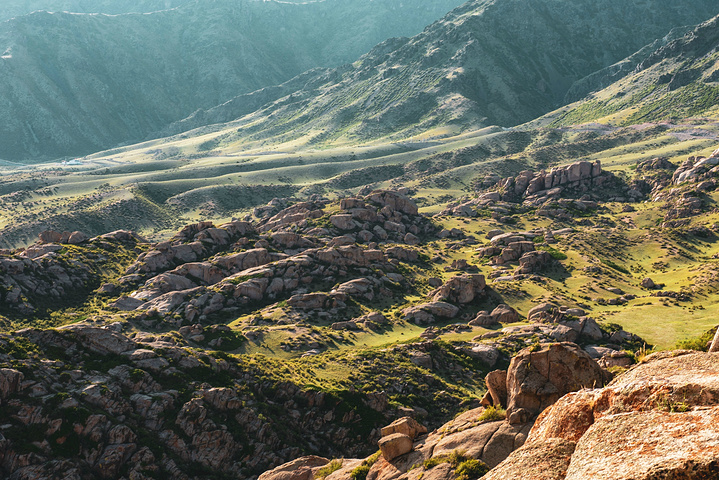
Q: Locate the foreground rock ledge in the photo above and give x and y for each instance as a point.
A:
(660, 420)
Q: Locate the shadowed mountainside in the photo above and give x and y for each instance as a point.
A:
(680, 79)
(73, 84)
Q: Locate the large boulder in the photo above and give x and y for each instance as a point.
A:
(659, 420)
(394, 445)
(100, 340)
(496, 382)
(543, 311)
(10, 381)
(427, 312)
(504, 314)
(461, 289)
(49, 236)
(538, 376)
(393, 200)
(406, 425)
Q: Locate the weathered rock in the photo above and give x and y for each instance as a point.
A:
(394, 445)
(393, 200)
(425, 313)
(542, 311)
(50, 236)
(496, 382)
(548, 460)
(532, 262)
(405, 425)
(666, 409)
(486, 353)
(460, 289)
(343, 222)
(101, 340)
(10, 381)
(537, 379)
(298, 469)
(504, 314)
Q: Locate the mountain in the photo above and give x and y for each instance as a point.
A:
(76, 83)
(677, 80)
(501, 62)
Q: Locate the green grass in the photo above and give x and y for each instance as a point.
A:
(331, 467)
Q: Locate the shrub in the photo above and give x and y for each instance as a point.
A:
(492, 414)
(455, 459)
(333, 466)
(360, 473)
(470, 469)
(615, 266)
(699, 343)
(556, 254)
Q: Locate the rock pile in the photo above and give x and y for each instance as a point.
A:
(517, 247)
(555, 191)
(45, 273)
(91, 402)
(206, 270)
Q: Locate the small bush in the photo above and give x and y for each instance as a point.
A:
(333, 466)
(556, 254)
(699, 343)
(615, 266)
(360, 473)
(470, 469)
(455, 459)
(492, 414)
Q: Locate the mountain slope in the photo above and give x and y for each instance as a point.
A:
(73, 84)
(487, 62)
(678, 80)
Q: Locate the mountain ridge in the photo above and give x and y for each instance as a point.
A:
(465, 70)
(91, 82)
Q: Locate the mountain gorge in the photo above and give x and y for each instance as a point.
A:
(74, 84)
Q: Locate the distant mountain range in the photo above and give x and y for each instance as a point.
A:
(75, 84)
(501, 62)
(72, 84)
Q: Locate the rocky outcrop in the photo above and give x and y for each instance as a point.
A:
(461, 289)
(302, 468)
(48, 274)
(538, 377)
(69, 238)
(539, 189)
(665, 408)
(425, 314)
(697, 169)
(99, 402)
(517, 247)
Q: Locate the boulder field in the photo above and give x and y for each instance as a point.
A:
(658, 420)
